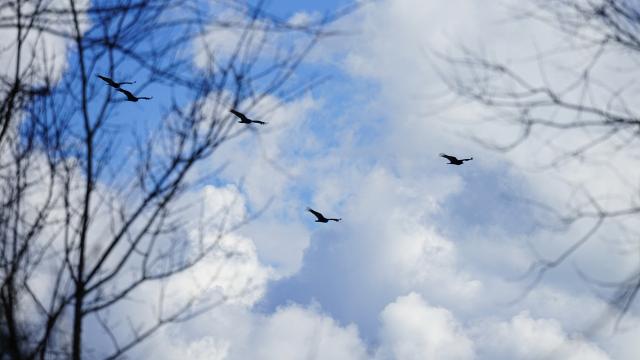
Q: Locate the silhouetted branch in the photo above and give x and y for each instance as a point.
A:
(585, 105)
(92, 205)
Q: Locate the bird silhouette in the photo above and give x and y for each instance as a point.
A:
(114, 84)
(131, 97)
(320, 217)
(244, 119)
(454, 160)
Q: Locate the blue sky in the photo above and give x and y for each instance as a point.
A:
(423, 262)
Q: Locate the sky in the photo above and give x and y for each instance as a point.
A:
(425, 263)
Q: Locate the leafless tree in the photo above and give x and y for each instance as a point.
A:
(92, 201)
(592, 99)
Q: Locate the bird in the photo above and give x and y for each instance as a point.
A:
(244, 119)
(131, 97)
(454, 160)
(114, 84)
(320, 217)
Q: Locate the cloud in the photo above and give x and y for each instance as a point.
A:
(272, 177)
(303, 18)
(292, 332)
(43, 53)
(229, 276)
(411, 329)
(525, 338)
(232, 270)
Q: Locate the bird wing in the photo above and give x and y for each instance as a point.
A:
(127, 93)
(317, 214)
(259, 122)
(238, 114)
(449, 157)
(106, 79)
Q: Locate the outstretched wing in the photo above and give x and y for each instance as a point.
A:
(258, 122)
(317, 214)
(449, 157)
(239, 114)
(128, 94)
(107, 80)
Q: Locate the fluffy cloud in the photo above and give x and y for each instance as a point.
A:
(525, 338)
(44, 52)
(411, 329)
(232, 270)
(291, 332)
(270, 175)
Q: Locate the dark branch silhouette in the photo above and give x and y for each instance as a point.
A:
(114, 84)
(454, 160)
(591, 108)
(101, 225)
(133, 98)
(244, 119)
(320, 218)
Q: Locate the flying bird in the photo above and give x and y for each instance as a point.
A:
(454, 160)
(131, 97)
(244, 119)
(320, 217)
(114, 84)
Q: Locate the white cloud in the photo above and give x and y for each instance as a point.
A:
(405, 251)
(44, 52)
(302, 18)
(206, 348)
(411, 329)
(525, 338)
(624, 343)
(290, 333)
(270, 174)
(232, 268)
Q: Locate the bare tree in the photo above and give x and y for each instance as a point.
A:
(566, 99)
(92, 207)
